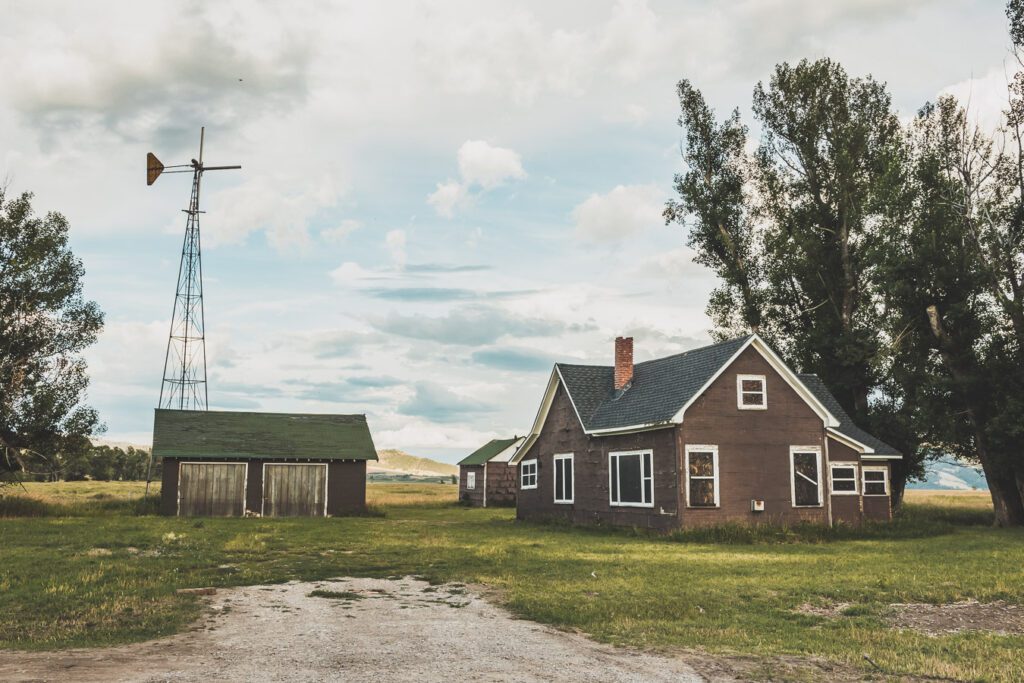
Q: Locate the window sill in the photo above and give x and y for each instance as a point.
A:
(563, 502)
(527, 488)
(703, 507)
(631, 505)
(809, 507)
(845, 493)
(752, 407)
(876, 495)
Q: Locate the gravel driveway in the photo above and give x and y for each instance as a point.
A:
(361, 630)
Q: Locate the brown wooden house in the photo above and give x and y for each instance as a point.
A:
(724, 433)
(230, 464)
(486, 476)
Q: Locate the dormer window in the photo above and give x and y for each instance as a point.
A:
(751, 393)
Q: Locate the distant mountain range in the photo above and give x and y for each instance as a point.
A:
(951, 475)
(393, 461)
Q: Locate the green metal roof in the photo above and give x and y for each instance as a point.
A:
(487, 451)
(210, 434)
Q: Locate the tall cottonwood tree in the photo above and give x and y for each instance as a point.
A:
(791, 228)
(45, 324)
(948, 268)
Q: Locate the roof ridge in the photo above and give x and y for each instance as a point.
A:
(652, 360)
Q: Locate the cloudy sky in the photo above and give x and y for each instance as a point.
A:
(437, 200)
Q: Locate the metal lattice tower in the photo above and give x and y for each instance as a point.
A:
(184, 384)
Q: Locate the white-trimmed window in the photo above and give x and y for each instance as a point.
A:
(805, 476)
(876, 481)
(702, 476)
(470, 480)
(843, 476)
(564, 480)
(751, 392)
(631, 478)
(528, 474)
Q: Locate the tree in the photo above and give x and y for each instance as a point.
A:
(45, 324)
(947, 289)
(791, 228)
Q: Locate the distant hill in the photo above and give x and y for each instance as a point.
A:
(393, 461)
(951, 475)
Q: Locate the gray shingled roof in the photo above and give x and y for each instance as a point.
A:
(846, 426)
(488, 451)
(206, 434)
(660, 387)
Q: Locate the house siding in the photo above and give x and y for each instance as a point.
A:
(846, 509)
(501, 484)
(475, 496)
(879, 508)
(562, 433)
(753, 448)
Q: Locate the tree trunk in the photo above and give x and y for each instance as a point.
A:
(1002, 480)
(1005, 489)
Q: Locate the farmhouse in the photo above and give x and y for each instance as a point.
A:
(724, 433)
(486, 477)
(230, 464)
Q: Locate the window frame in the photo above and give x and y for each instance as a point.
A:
(885, 480)
(522, 474)
(793, 450)
(697, 448)
(831, 479)
(470, 480)
(554, 478)
(614, 456)
(763, 379)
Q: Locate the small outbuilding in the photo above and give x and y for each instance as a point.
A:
(486, 477)
(233, 464)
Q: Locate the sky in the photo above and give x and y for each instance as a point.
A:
(437, 200)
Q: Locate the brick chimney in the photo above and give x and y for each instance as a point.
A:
(623, 362)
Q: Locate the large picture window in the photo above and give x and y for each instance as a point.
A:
(844, 478)
(702, 476)
(876, 481)
(528, 474)
(563, 478)
(805, 466)
(751, 393)
(631, 478)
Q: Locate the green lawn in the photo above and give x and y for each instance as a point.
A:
(91, 571)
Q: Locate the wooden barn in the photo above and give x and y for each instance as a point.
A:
(724, 433)
(233, 464)
(486, 477)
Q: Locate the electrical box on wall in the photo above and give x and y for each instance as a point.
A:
(757, 506)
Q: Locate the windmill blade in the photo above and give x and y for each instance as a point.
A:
(153, 168)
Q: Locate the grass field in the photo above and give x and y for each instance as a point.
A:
(80, 566)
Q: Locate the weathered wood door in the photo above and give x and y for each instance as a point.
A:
(211, 489)
(294, 490)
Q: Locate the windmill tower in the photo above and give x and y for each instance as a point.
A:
(184, 378)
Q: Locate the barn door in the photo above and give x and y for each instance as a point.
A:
(211, 489)
(294, 490)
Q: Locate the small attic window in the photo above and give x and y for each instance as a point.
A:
(751, 393)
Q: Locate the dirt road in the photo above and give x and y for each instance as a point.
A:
(357, 630)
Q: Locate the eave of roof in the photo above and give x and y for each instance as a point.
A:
(873, 447)
(489, 450)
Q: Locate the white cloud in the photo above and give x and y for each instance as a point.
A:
(339, 234)
(487, 166)
(395, 242)
(447, 197)
(350, 272)
(985, 97)
(625, 210)
(481, 165)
